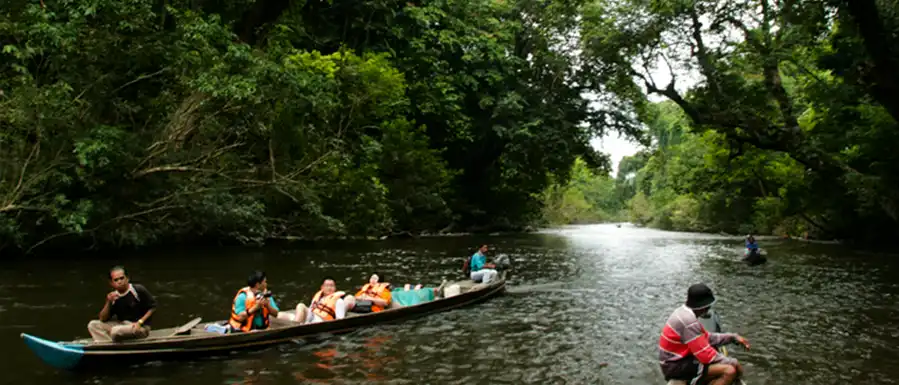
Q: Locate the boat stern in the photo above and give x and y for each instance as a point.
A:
(54, 353)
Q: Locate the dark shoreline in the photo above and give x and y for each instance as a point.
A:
(86, 251)
(81, 249)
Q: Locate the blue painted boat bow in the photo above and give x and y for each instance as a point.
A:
(54, 353)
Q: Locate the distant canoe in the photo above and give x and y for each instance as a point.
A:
(754, 259)
(197, 342)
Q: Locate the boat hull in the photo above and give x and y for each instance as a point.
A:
(754, 258)
(72, 356)
(54, 353)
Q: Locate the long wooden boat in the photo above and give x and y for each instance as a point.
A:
(196, 341)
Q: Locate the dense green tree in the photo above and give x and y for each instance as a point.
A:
(587, 196)
(127, 123)
(791, 98)
(137, 122)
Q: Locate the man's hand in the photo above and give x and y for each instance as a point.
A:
(258, 306)
(135, 326)
(112, 296)
(742, 341)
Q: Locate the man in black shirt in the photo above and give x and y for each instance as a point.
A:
(132, 306)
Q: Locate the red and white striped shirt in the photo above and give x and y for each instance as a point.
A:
(684, 336)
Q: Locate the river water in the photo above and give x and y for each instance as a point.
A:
(586, 306)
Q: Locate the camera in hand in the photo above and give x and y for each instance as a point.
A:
(265, 294)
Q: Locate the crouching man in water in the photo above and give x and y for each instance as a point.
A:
(253, 305)
(686, 349)
(132, 306)
(328, 304)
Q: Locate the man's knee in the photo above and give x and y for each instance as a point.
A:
(722, 371)
(730, 371)
(727, 371)
(96, 325)
(128, 332)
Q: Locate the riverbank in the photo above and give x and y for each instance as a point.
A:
(81, 247)
(804, 238)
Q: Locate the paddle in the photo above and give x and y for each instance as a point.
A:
(185, 329)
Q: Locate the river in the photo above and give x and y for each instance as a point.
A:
(594, 300)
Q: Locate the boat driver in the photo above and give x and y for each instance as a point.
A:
(481, 271)
(131, 304)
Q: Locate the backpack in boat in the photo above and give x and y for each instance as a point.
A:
(466, 267)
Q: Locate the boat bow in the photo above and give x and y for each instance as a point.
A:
(58, 355)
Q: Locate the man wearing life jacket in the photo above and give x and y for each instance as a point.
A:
(253, 305)
(375, 296)
(327, 304)
(686, 348)
(131, 304)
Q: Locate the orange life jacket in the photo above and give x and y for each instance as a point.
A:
(247, 324)
(374, 291)
(326, 308)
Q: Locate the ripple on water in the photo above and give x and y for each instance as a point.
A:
(592, 295)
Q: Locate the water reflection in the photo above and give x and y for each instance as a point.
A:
(816, 314)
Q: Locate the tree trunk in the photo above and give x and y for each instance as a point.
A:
(254, 24)
(878, 42)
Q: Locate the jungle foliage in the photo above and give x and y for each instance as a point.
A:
(138, 122)
(788, 121)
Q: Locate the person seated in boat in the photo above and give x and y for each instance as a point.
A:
(751, 246)
(131, 304)
(687, 350)
(409, 286)
(481, 271)
(327, 304)
(374, 296)
(253, 305)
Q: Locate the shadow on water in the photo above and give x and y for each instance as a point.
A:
(580, 297)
